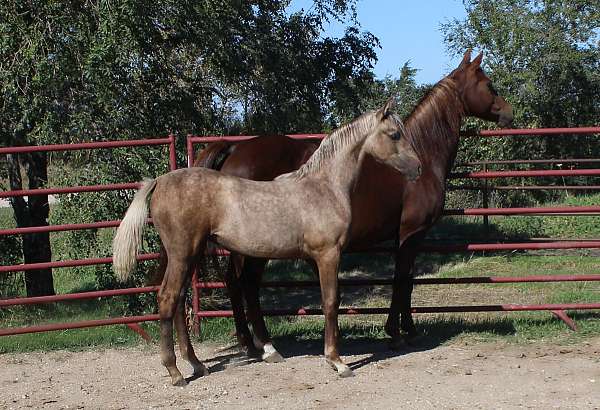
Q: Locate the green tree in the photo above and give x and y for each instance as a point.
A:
(99, 70)
(545, 57)
(404, 88)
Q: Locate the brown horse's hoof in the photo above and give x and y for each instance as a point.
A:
(397, 343)
(414, 339)
(200, 371)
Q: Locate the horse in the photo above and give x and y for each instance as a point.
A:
(379, 213)
(302, 214)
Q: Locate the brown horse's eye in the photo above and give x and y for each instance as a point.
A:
(492, 89)
(396, 136)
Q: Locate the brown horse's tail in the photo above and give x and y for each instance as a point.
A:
(214, 155)
(129, 234)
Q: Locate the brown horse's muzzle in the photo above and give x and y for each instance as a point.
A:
(503, 111)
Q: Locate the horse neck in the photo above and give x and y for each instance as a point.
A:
(434, 125)
(342, 171)
(338, 158)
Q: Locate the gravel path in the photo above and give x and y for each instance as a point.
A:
(487, 376)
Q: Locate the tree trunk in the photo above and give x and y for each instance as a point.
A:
(33, 212)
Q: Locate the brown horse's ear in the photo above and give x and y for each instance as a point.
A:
(477, 61)
(387, 108)
(466, 60)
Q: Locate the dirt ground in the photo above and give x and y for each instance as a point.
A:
(460, 375)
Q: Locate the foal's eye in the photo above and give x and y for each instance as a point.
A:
(396, 136)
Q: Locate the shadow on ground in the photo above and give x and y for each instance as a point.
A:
(354, 342)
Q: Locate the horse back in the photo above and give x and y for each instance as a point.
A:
(264, 158)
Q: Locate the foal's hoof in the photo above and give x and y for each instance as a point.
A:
(272, 357)
(342, 369)
(180, 382)
(270, 354)
(347, 372)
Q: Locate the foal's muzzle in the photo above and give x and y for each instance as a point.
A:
(408, 165)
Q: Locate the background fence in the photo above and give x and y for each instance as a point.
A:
(484, 175)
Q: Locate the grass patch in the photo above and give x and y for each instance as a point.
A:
(76, 339)
(73, 339)
(522, 327)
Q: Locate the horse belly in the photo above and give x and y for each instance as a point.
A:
(261, 234)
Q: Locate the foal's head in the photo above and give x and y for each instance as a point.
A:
(478, 94)
(388, 144)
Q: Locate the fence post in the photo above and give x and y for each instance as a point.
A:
(172, 152)
(486, 222)
(195, 304)
(190, 151)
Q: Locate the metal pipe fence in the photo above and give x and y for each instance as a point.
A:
(197, 286)
(557, 309)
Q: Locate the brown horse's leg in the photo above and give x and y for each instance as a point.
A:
(183, 339)
(168, 299)
(252, 276)
(234, 288)
(328, 270)
(402, 294)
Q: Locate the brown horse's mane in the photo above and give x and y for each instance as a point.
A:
(433, 125)
(346, 135)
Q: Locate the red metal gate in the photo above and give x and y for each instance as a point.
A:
(129, 321)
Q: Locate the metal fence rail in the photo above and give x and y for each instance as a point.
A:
(170, 141)
(557, 309)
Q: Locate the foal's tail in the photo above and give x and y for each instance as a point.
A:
(129, 234)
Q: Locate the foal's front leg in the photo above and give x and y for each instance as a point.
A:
(328, 277)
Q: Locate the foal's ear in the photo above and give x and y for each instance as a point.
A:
(387, 109)
(466, 60)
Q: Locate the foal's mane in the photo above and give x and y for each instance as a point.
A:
(435, 120)
(347, 135)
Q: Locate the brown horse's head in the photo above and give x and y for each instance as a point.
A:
(478, 94)
(389, 145)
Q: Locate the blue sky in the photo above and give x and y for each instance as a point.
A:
(407, 30)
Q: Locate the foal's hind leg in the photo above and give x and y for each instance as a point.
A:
(168, 299)
(183, 339)
(251, 278)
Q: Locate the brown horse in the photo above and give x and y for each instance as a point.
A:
(303, 214)
(384, 205)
